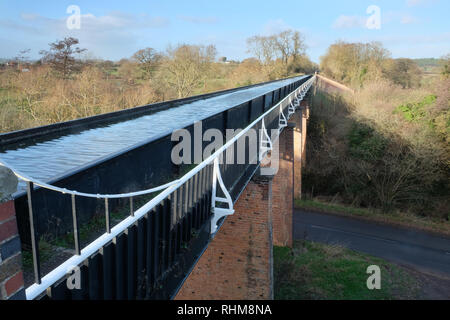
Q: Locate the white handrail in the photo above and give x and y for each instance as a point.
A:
(44, 185)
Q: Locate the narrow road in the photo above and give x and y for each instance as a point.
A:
(415, 249)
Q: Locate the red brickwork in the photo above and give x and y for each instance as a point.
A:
(305, 116)
(283, 190)
(297, 119)
(238, 262)
(11, 276)
(7, 210)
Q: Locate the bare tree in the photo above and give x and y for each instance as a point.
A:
(404, 72)
(22, 57)
(299, 46)
(354, 63)
(280, 54)
(263, 48)
(61, 56)
(148, 59)
(283, 45)
(187, 66)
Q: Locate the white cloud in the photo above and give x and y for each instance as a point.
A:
(275, 26)
(413, 3)
(29, 16)
(348, 22)
(122, 20)
(408, 19)
(400, 17)
(114, 34)
(199, 20)
(89, 22)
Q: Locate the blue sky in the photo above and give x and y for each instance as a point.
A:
(113, 29)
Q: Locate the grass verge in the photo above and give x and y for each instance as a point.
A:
(429, 224)
(312, 271)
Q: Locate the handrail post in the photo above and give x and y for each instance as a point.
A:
(34, 239)
(107, 216)
(76, 234)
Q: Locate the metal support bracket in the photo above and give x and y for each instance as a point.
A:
(219, 213)
(292, 108)
(265, 144)
(303, 93)
(282, 121)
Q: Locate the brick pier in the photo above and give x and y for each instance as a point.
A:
(11, 275)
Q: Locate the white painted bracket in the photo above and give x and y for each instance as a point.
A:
(292, 108)
(265, 144)
(219, 213)
(303, 93)
(282, 121)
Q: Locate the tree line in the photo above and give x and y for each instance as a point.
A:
(68, 83)
(357, 63)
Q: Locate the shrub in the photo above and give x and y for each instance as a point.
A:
(365, 143)
(416, 111)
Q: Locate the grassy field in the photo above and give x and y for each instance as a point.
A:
(426, 223)
(312, 271)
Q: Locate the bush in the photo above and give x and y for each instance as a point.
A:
(38, 98)
(416, 111)
(365, 143)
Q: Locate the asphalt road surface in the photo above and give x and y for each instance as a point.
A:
(419, 250)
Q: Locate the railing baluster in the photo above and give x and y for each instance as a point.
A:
(207, 178)
(210, 177)
(195, 190)
(174, 212)
(131, 207)
(180, 203)
(76, 235)
(108, 224)
(186, 197)
(194, 201)
(203, 193)
(200, 192)
(204, 180)
(34, 240)
(190, 184)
